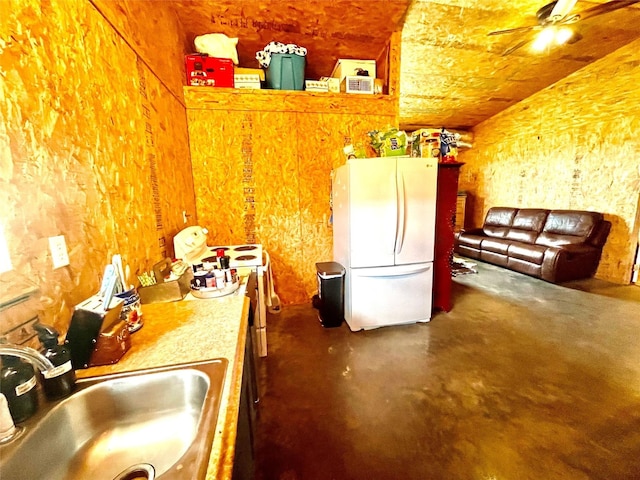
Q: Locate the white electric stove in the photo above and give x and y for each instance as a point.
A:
(249, 255)
(248, 259)
(191, 246)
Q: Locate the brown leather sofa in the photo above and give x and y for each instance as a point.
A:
(554, 245)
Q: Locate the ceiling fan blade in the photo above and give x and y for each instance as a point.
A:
(561, 9)
(513, 30)
(606, 8)
(515, 47)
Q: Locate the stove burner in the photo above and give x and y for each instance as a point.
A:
(243, 258)
(210, 259)
(245, 248)
(213, 249)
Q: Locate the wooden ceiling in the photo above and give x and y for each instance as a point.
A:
(451, 73)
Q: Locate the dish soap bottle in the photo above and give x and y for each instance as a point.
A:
(18, 384)
(59, 381)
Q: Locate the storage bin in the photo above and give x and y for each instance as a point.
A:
(286, 72)
(203, 70)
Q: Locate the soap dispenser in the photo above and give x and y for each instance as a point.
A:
(59, 381)
(18, 384)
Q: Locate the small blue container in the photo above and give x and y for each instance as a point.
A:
(286, 72)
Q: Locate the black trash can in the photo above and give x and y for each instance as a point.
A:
(330, 293)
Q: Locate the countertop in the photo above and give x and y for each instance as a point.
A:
(189, 331)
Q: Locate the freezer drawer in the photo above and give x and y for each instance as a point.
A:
(381, 296)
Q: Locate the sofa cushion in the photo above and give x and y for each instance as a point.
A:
(470, 240)
(567, 227)
(467, 251)
(527, 224)
(495, 258)
(496, 245)
(498, 221)
(528, 252)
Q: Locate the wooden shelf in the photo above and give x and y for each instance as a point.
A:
(210, 98)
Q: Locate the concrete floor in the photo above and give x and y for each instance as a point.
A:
(521, 380)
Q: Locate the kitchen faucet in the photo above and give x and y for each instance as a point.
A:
(26, 353)
(8, 431)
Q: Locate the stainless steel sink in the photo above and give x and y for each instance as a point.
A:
(156, 423)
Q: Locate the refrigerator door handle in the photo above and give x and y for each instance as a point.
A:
(393, 184)
(396, 271)
(401, 214)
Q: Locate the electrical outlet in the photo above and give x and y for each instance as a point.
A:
(184, 216)
(59, 253)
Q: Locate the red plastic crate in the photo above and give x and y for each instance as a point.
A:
(203, 70)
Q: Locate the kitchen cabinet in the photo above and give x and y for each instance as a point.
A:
(168, 327)
(244, 459)
(446, 204)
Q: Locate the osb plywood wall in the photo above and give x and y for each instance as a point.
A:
(262, 164)
(574, 145)
(92, 146)
(154, 31)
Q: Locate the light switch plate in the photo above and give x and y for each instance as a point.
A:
(59, 253)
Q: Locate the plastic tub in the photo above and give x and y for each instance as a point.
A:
(286, 72)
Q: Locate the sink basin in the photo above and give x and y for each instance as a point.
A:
(145, 424)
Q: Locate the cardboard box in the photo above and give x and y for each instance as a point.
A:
(357, 84)
(426, 143)
(249, 71)
(378, 86)
(203, 70)
(247, 81)
(351, 67)
(333, 83)
(316, 86)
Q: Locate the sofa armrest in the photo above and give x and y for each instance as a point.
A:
(570, 262)
(601, 234)
(472, 231)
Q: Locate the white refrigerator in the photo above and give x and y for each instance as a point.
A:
(384, 213)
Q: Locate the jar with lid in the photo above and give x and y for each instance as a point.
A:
(18, 384)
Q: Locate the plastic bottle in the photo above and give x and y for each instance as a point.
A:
(60, 381)
(18, 384)
(219, 278)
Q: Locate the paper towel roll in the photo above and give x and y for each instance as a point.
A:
(7, 427)
(273, 300)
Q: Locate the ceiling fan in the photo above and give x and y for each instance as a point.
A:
(553, 20)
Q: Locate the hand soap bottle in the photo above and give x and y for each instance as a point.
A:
(18, 384)
(60, 381)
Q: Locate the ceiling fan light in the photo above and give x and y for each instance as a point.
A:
(563, 35)
(544, 38)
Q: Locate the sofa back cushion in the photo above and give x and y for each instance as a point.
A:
(565, 227)
(498, 221)
(527, 225)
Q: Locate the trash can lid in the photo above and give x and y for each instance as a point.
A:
(330, 269)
